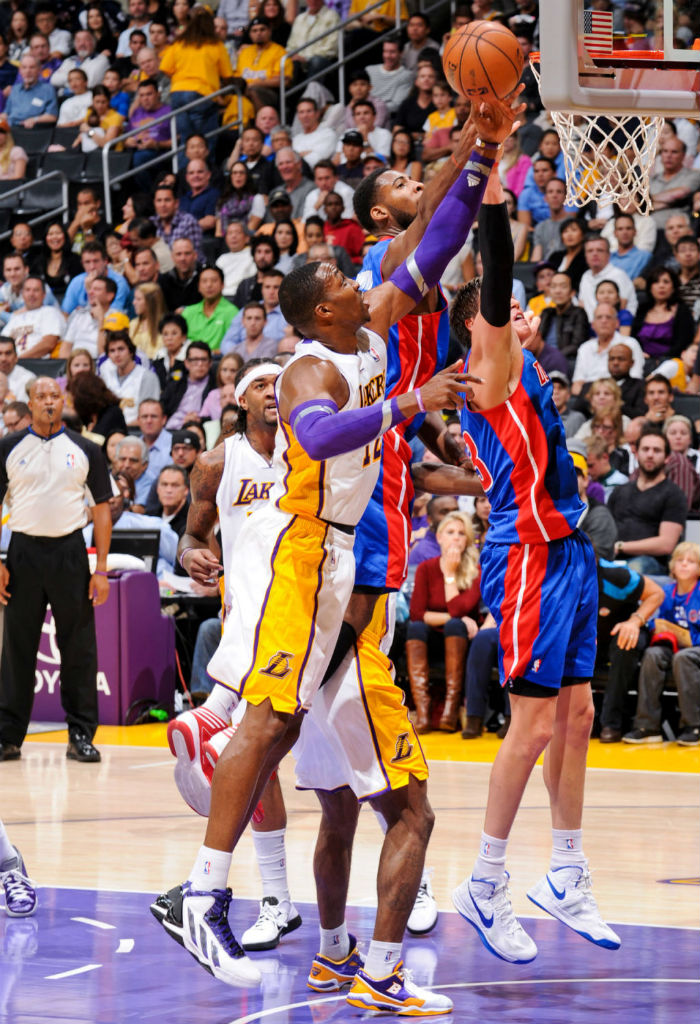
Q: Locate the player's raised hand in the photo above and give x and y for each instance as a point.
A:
(446, 389)
(496, 119)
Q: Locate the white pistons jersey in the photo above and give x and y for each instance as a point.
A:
(335, 489)
(246, 483)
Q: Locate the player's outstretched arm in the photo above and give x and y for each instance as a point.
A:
(435, 478)
(313, 391)
(484, 122)
(194, 548)
(496, 353)
(445, 234)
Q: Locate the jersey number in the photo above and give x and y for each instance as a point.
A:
(372, 453)
(479, 466)
(543, 378)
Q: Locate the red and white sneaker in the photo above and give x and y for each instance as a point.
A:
(215, 746)
(187, 736)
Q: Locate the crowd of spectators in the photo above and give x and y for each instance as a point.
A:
(155, 313)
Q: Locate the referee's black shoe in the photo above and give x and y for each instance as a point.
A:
(10, 752)
(80, 748)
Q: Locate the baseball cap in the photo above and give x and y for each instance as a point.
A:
(115, 320)
(278, 195)
(258, 21)
(375, 156)
(187, 437)
(352, 138)
(543, 265)
(560, 377)
(580, 464)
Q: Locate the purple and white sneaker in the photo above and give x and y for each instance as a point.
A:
(201, 925)
(20, 895)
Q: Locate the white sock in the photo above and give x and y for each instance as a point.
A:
(491, 862)
(6, 849)
(335, 942)
(567, 847)
(221, 701)
(210, 869)
(382, 958)
(272, 863)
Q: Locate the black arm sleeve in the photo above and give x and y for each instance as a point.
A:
(496, 243)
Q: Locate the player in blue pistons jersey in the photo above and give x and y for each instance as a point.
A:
(539, 581)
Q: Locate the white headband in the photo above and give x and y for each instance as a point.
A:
(262, 370)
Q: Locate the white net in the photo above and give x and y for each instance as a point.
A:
(608, 157)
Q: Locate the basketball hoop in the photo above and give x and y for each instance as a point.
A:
(607, 156)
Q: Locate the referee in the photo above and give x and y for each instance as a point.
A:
(46, 473)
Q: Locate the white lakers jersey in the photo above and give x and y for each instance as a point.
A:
(246, 482)
(335, 489)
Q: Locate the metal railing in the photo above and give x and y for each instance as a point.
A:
(61, 210)
(170, 154)
(339, 64)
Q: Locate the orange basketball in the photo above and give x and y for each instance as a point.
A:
(483, 59)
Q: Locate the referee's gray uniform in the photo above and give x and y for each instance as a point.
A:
(45, 482)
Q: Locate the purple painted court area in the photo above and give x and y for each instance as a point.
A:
(144, 976)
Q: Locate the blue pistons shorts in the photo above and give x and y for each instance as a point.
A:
(544, 598)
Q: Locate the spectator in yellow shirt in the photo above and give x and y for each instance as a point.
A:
(197, 64)
(444, 116)
(259, 63)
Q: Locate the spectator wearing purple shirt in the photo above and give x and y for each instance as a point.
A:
(171, 223)
(185, 396)
(154, 139)
(427, 546)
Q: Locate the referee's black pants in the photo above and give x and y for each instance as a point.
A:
(55, 571)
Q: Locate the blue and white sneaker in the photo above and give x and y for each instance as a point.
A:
(566, 893)
(201, 925)
(20, 894)
(397, 994)
(486, 906)
(328, 975)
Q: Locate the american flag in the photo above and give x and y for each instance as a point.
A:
(598, 31)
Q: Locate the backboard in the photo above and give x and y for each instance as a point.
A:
(594, 60)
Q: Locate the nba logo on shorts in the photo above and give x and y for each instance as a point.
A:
(536, 664)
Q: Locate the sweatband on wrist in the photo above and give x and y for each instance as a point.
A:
(497, 256)
(447, 230)
(100, 572)
(323, 432)
(181, 557)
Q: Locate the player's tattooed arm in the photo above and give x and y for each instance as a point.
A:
(197, 550)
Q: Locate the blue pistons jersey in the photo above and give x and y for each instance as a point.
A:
(416, 350)
(519, 451)
(538, 570)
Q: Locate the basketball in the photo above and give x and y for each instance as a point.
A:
(483, 59)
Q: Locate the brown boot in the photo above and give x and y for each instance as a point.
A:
(417, 662)
(504, 728)
(455, 659)
(474, 728)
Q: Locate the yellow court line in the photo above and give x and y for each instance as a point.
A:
(662, 757)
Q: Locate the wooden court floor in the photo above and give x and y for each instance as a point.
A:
(122, 825)
(100, 840)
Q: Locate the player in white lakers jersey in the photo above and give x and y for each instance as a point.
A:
(294, 559)
(227, 483)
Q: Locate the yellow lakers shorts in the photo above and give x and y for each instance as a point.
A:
(357, 732)
(292, 579)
